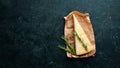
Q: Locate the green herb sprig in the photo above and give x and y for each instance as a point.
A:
(83, 44)
(70, 48)
(63, 48)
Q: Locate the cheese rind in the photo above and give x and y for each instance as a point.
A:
(78, 45)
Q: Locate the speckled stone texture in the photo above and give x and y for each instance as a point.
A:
(30, 32)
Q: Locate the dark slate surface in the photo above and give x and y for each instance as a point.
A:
(30, 31)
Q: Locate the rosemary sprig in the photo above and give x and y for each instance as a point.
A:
(83, 44)
(63, 48)
(67, 43)
(71, 49)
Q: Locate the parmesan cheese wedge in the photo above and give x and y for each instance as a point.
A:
(80, 50)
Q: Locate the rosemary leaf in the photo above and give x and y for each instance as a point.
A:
(68, 44)
(83, 44)
(63, 48)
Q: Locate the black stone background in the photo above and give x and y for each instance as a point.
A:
(30, 32)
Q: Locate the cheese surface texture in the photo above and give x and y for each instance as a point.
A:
(80, 50)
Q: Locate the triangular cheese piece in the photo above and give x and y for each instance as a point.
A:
(80, 50)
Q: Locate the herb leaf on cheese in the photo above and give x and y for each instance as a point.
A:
(83, 44)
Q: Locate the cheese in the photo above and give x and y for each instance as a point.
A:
(78, 45)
